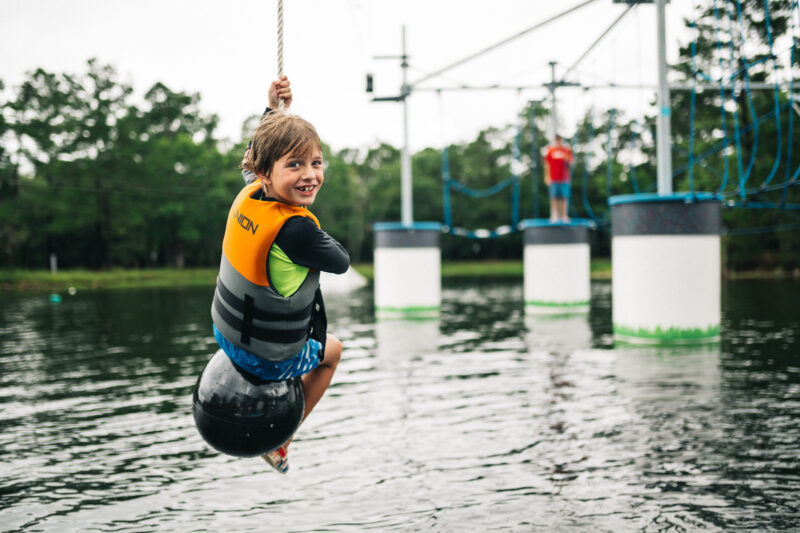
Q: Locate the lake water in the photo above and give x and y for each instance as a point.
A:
(483, 420)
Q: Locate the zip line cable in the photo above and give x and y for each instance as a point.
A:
(501, 43)
(597, 41)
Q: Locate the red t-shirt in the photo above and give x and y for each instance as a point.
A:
(559, 159)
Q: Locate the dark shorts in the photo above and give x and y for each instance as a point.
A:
(559, 190)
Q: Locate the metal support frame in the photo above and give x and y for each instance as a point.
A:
(405, 92)
(663, 127)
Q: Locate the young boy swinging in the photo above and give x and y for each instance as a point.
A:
(273, 251)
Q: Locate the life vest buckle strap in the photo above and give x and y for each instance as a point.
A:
(247, 319)
(256, 333)
(255, 312)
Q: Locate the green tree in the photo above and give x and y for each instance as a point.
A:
(112, 183)
(61, 123)
(13, 230)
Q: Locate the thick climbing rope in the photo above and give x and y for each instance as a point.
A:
(280, 43)
(280, 38)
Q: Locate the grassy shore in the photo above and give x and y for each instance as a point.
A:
(42, 280)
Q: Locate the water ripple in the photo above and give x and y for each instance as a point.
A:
(484, 419)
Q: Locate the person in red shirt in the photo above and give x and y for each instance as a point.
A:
(557, 163)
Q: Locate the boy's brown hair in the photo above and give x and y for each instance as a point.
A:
(278, 134)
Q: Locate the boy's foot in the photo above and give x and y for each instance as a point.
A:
(278, 459)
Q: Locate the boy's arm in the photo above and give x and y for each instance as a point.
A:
(546, 172)
(307, 245)
(546, 162)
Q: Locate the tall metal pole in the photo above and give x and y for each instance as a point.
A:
(534, 158)
(407, 203)
(663, 131)
(553, 111)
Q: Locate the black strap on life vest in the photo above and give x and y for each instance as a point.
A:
(282, 336)
(247, 319)
(318, 327)
(255, 312)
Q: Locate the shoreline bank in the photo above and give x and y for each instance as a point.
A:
(43, 280)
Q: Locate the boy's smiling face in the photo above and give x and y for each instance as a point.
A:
(297, 177)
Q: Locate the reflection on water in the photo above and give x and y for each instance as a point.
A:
(410, 339)
(482, 419)
(559, 334)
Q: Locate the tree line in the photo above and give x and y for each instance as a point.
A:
(102, 181)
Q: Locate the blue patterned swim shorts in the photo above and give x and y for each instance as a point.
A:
(299, 365)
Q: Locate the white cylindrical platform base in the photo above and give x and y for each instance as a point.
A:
(557, 266)
(666, 268)
(408, 269)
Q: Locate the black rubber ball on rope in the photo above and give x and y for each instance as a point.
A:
(240, 414)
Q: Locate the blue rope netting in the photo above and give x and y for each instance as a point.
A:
(735, 30)
(741, 195)
(513, 182)
(734, 76)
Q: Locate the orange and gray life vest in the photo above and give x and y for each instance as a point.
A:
(248, 311)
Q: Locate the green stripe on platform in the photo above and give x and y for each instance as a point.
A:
(668, 335)
(408, 309)
(408, 313)
(557, 304)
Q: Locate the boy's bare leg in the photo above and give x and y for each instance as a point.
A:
(554, 211)
(564, 214)
(316, 382)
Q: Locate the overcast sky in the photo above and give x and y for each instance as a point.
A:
(226, 51)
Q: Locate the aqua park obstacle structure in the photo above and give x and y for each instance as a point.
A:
(665, 245)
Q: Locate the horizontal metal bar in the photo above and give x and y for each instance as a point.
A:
(622, 86)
